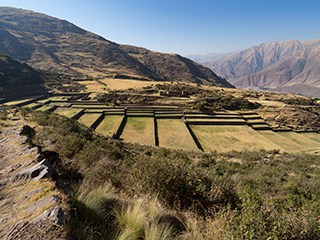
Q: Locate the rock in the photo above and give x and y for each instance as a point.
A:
(36, 172)
(54, 214)
(33, 192)
(42, 203)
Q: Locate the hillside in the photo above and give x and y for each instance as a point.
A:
(56, 45)
(17, 79)
(290, 66)
(106, 189)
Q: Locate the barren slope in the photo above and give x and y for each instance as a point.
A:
(290, 66)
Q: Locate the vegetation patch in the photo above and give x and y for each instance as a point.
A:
(110, 125)
(228, 138)
(139, 130)
(174, 134)
(236, 195)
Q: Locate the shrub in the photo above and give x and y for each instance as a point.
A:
(179, 184)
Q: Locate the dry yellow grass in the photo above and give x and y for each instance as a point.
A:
(312, 135)
(89, 118)
(280, 140)
(109, 125)
(123, 84)
(227, 138)
(268, 103)
(94, 86)
(304, 142)
(116, 84)
(12, 103)
(174, 134)
(31, 105)
(139, 130)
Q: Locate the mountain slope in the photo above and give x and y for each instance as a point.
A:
(52, 44)
(17, 79)
(290, 66)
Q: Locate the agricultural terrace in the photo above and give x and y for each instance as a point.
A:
(174, 127)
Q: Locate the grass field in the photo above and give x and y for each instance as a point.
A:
(109, 125)
(31, 105)
(44, 108)
(305, 143)
(93, 86)
(12, 103)
(174, 134)
(67, 112)
(123, 84)
(214, 120)
(43, 101)
(280, 140)
(62, 104)
(227, 138)
(139, 130)
(59, 98)
(313, 136)
(90, 106)
(88, 119)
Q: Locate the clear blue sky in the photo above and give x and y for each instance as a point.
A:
(187, 26)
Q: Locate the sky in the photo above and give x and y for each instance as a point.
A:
(187, 26)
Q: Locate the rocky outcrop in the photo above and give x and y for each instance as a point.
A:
(31, 206)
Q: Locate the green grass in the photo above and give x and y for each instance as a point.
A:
(67, 112)
(174, 134)
(89, 118)
(139, 130)
(228, 138)
(44, 108)
(109, 125)
(31, 105)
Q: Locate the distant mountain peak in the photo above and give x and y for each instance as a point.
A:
(291, 66)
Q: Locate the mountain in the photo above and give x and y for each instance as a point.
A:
(204, 58)
(56, 45)
(291, 66)
(18, 79)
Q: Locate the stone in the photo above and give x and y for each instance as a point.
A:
(36, 172)
(42, 203)
(54, 214)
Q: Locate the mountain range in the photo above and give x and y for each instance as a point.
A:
(291, 66)
(55, 45)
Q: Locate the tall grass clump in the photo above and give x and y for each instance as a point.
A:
(141, 219)
(93, 218)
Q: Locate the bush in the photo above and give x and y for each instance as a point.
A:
(179, 184)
